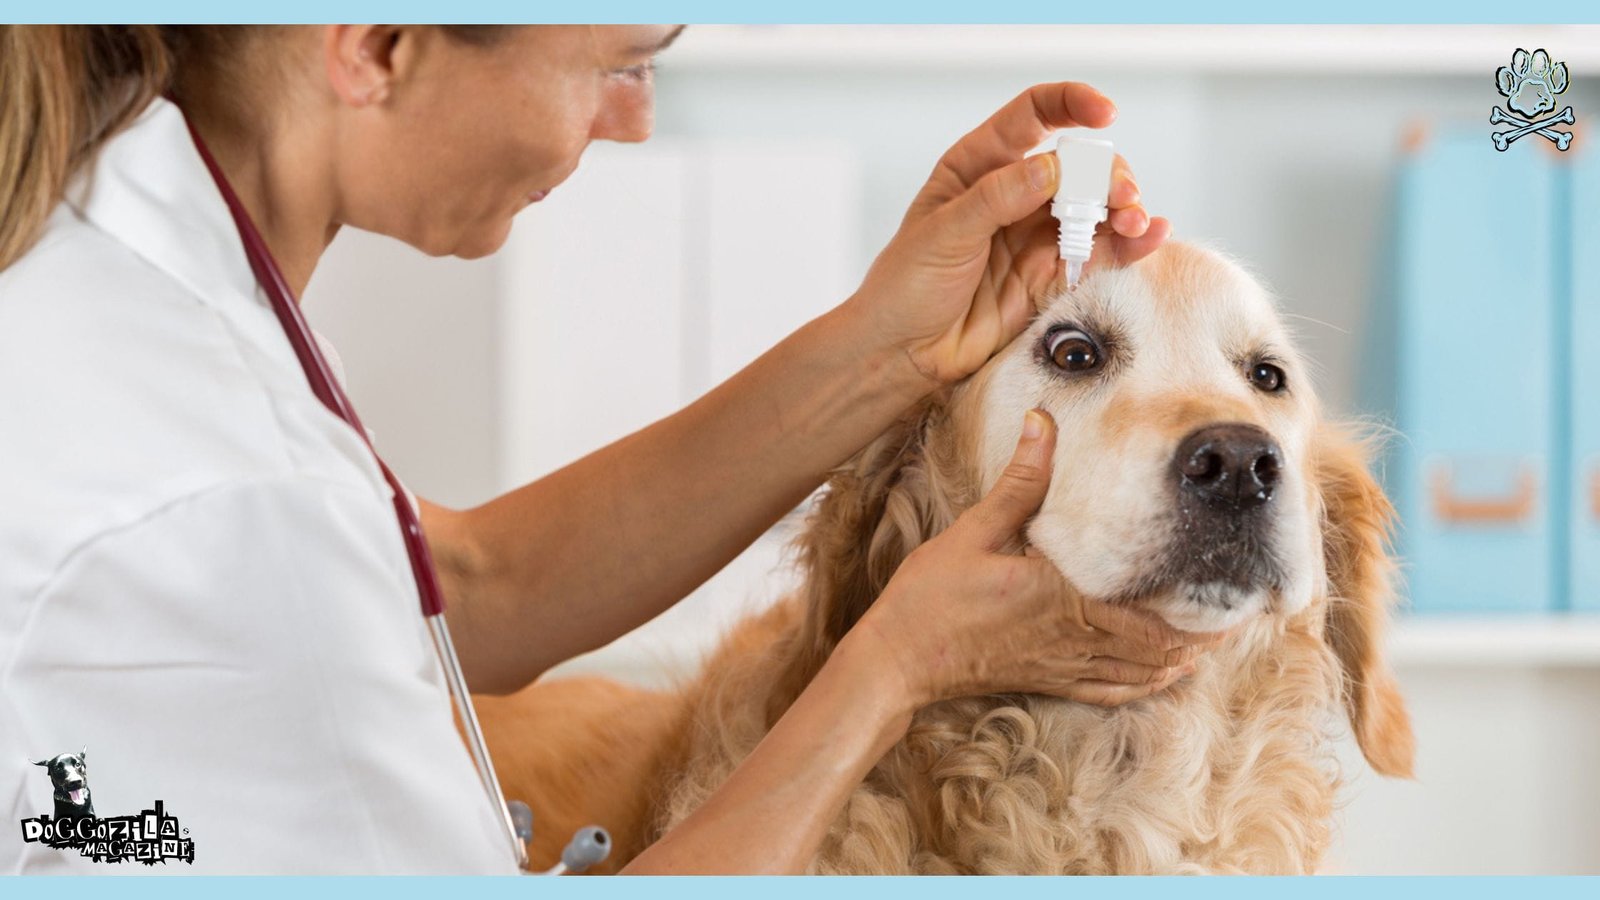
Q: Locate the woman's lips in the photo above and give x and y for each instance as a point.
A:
(536, 196)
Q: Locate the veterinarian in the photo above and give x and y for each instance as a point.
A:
(201, 575)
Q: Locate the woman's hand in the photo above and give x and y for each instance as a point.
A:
(960, 617)
(959, 279)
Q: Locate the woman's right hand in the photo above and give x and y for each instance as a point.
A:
(960, 617)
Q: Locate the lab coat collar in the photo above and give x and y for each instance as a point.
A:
(150, 190)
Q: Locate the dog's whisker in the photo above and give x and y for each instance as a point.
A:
(1315, 321)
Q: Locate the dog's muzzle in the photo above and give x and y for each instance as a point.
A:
(1226, 476)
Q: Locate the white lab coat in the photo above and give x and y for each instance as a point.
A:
(201, 576)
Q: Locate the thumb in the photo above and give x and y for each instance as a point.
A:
(1021, 488)
(1000, 198)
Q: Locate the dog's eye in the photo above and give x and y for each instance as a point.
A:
(1267, 377)
(1071, 350)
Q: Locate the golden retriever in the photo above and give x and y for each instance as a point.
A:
(1193, 476)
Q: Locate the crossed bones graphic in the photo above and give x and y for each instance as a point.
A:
(1504, 139)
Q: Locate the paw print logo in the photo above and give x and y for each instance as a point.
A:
(1530, 85)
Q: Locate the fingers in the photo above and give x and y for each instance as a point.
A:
(1135, 632)
(1145, 654)
(1114, 249)
(1124, 189)
(1109, 693)
(1000, 198)
(1128, 235)
(1128, 216)
(1020, 125)
(1130, 222)
(1021, 488)
(1122, 671)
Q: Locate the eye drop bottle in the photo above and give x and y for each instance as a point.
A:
(1080, 202)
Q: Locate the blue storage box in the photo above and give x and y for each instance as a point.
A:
(1475, 329)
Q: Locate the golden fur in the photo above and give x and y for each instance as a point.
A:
(1230, 770)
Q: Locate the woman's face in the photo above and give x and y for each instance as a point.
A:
(464, 135)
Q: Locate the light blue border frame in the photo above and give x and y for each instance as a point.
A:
(801, 888)
(1370, 12)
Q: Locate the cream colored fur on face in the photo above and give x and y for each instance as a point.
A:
(1230, 770)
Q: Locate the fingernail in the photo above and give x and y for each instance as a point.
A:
(1041, 171)
(1032, 425)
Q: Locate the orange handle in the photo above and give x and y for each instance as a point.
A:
(1594, 493)
(1518, 506)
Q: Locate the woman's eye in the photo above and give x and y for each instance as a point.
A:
(1070, 350)
(1268, 377)
(642, 72)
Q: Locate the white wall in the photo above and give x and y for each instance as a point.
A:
(1275, 145)
(416, 336)
(1506, 777)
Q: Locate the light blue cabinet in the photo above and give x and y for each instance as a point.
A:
(1583, 506)
(1474, 364)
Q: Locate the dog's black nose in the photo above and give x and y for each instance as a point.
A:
(1231, 464)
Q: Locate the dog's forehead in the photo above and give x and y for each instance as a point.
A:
(1179, 291)
(1183, 278)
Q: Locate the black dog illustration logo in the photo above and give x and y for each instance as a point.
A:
(152, 836)
(69, 773)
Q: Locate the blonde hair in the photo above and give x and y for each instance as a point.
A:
(67, 89)
(64, 89)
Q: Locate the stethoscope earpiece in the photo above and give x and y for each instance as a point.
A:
(521, 819)
(588, 847)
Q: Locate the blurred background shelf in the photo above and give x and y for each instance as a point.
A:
(1278, 49)
(1520, 640)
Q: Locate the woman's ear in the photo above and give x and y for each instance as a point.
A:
(1356, 525)
(361, 61)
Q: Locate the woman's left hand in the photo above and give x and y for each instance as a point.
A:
(960, 278)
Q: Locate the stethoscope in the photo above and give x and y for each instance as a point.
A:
(590, 845)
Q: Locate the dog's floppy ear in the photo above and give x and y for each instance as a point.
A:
(1357, 520)
(41, 762)
(887, 500)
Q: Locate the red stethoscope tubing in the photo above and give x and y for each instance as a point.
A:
(318, 373)
(327, 389)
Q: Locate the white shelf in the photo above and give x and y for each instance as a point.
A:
(1348, 49)
(1509, 640)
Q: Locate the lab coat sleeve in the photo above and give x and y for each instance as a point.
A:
(252, 656)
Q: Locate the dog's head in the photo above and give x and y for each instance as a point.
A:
(69, 773)
(1183, 474)
(1193, 473)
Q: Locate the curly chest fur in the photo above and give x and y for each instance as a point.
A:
(1225, 774)
(1231, 771)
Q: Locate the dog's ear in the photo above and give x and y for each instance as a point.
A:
(1356, 525)
(83, 755)
(887, 500)
(41, 762)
